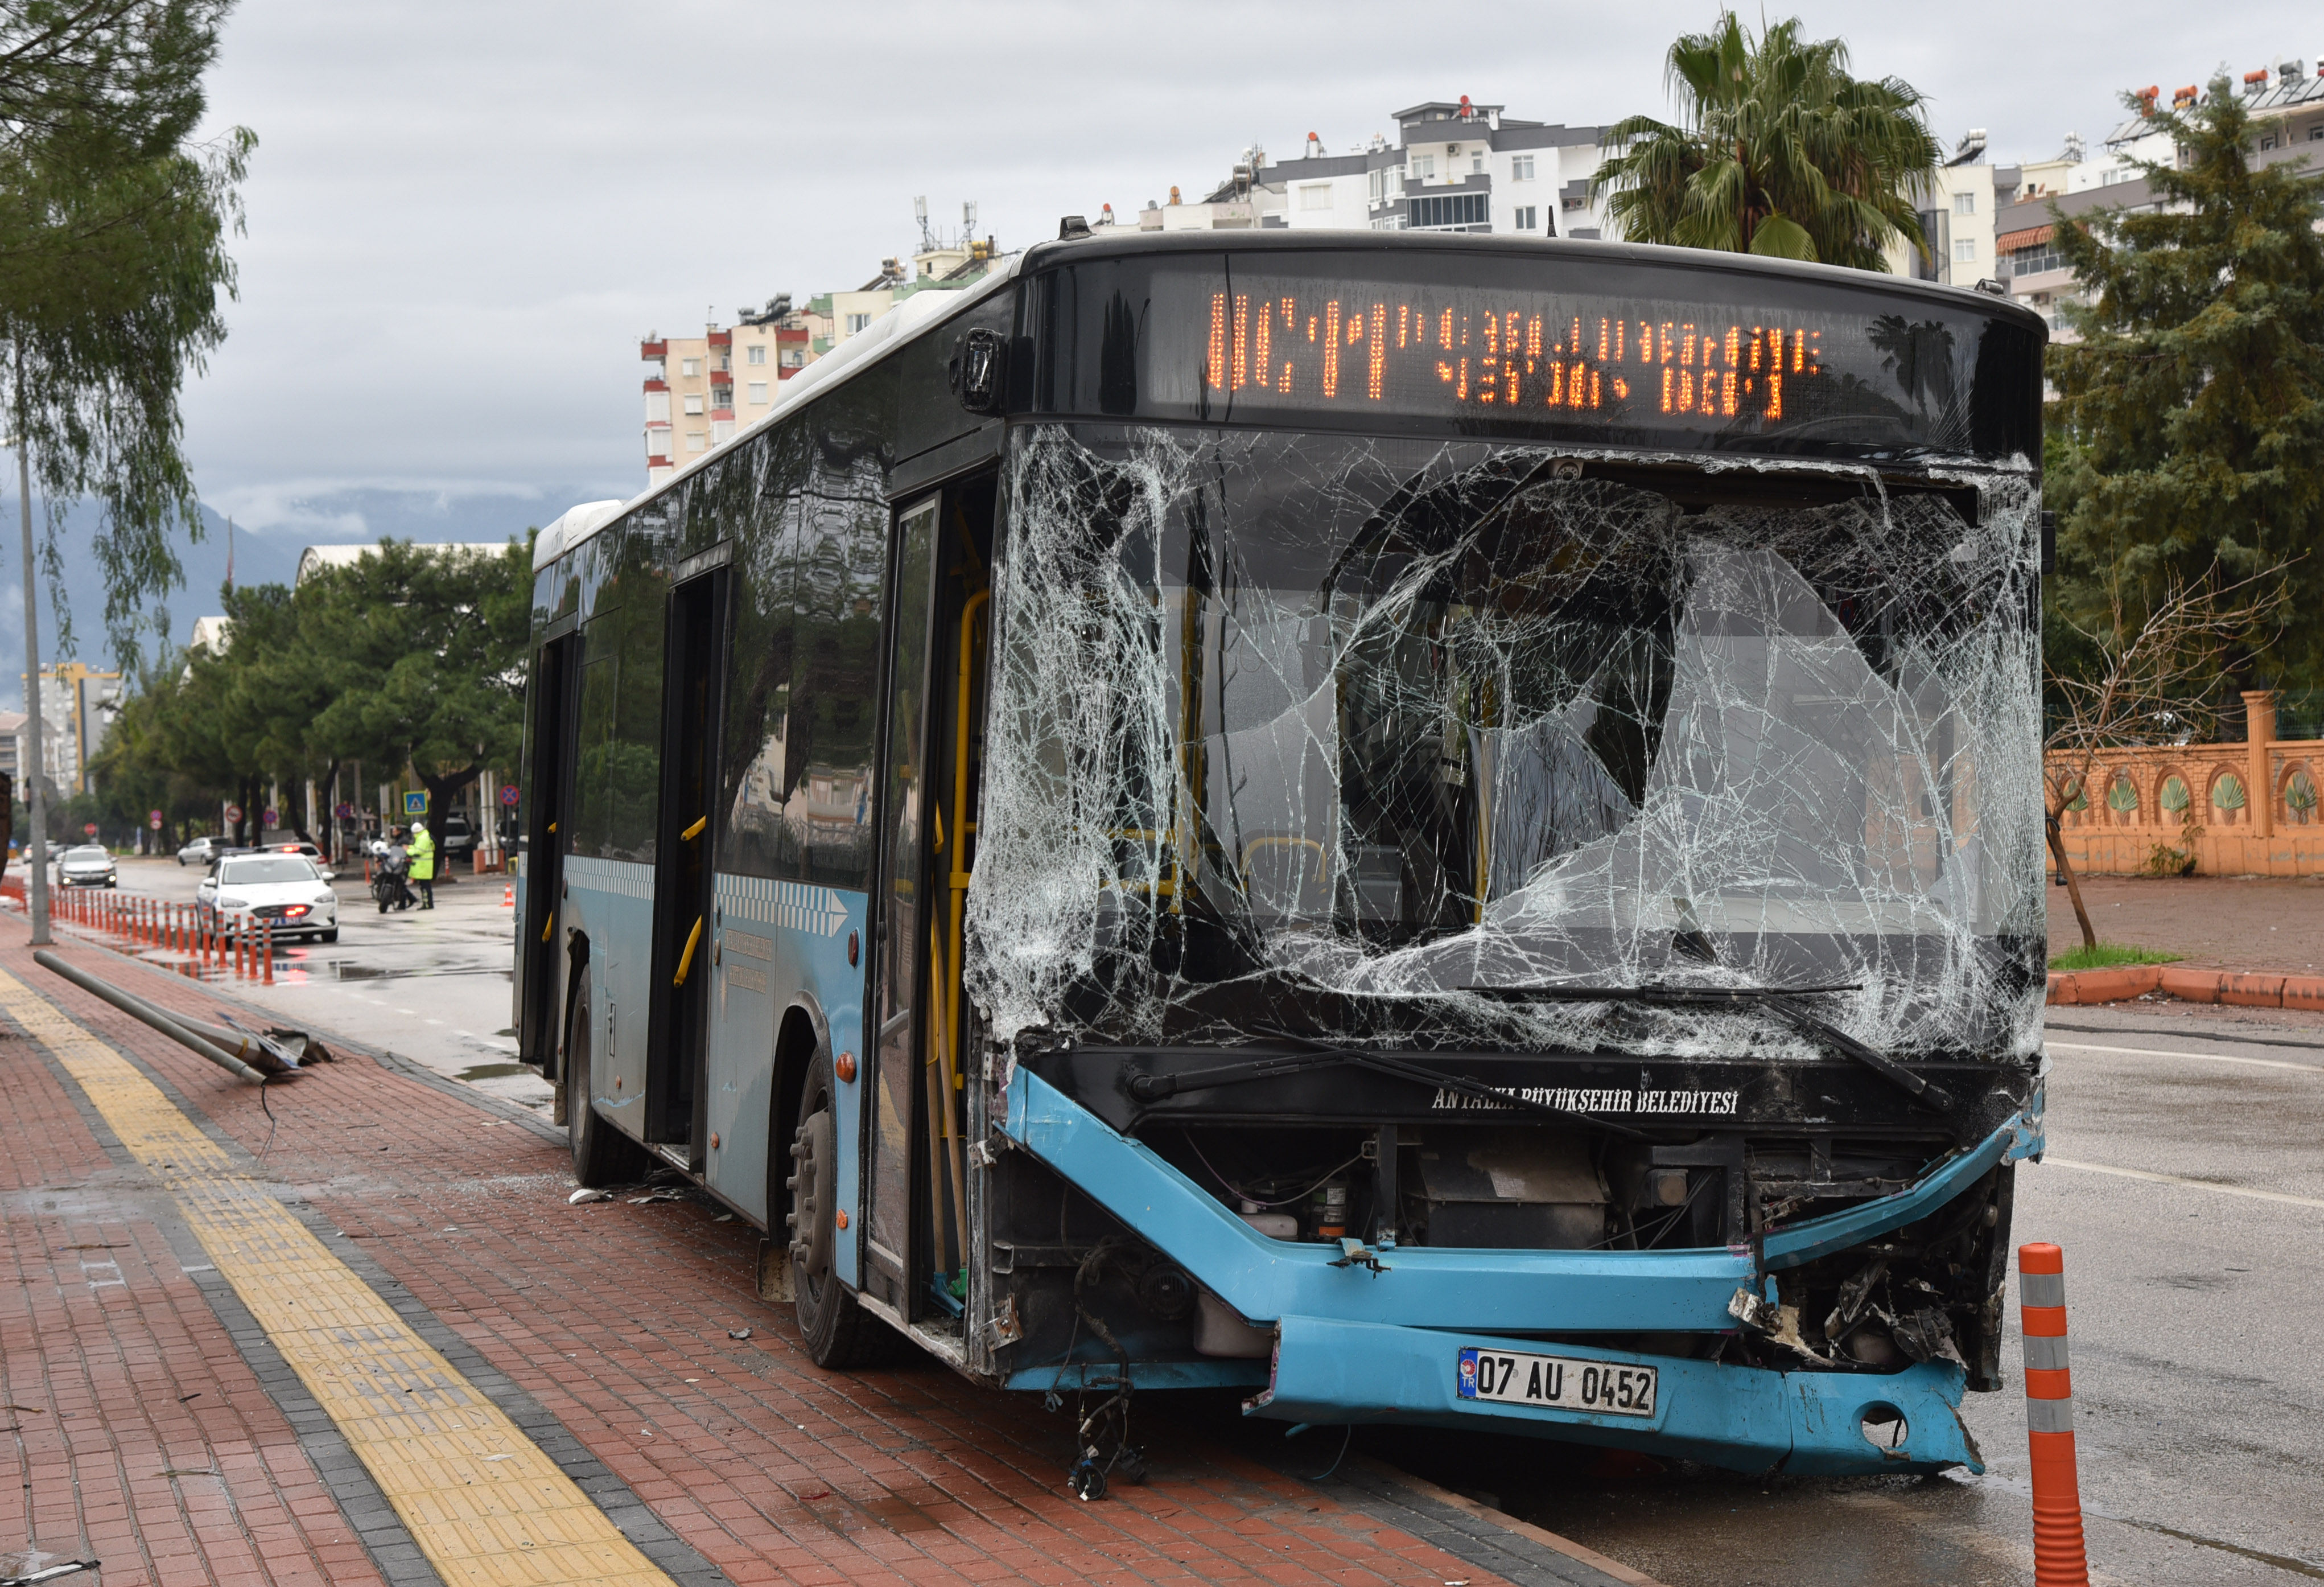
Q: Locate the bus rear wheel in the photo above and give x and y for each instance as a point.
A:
(838, 1332)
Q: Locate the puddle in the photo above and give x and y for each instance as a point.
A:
(492, 1072)
(344, 970)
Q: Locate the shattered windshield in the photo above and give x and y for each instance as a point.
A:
(1324, 737)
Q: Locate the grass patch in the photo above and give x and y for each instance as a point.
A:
(2111, 956)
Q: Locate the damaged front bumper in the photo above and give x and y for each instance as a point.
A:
(1380, 1341)
(1745, 1419)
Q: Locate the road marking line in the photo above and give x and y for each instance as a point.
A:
(2297, 1201)
(483, 1501)
(2150, 1052)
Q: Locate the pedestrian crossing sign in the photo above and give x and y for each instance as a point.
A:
(415, 804)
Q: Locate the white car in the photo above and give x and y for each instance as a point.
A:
(88, 865)
(285, 891)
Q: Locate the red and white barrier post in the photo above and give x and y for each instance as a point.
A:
(2059, 1560)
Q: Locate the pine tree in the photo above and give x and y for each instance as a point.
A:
(2187, 437)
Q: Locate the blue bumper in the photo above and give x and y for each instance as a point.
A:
(1807, 1424)
(1356, 1345)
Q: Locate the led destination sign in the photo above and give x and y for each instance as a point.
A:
(1661, 353)
(1317, 348)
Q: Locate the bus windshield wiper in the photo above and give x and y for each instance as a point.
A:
(1154, 1087)
(1784, 1002)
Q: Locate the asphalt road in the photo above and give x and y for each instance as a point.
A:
(2185, 1180)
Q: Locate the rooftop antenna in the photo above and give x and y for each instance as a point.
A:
(920, 214)
(229, 551)
(968, 217)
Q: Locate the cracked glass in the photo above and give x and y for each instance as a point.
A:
(1328, 737)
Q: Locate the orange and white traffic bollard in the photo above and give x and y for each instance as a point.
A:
(2059, 1560)
(266, 945)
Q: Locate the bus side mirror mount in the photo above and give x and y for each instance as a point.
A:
(979, 369)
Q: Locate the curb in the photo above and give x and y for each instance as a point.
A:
(2241, 988)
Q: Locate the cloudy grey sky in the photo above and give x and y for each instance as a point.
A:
(462, 216)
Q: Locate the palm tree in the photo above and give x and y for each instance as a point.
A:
(1782, 152)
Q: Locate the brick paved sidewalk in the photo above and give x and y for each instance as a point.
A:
(612, 1323)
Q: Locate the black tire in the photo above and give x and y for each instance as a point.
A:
(839, 1334)
(601, 1155)
(330, 936)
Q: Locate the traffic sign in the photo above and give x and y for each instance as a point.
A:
(269, 816)
(155, 821)
(90, 830)
(415, 804)
(233, 815)
(343, 812)
(508, 793)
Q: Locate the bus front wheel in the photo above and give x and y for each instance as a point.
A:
(601, 1155)
(838, 1332)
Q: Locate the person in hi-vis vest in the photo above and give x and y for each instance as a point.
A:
(422, 849)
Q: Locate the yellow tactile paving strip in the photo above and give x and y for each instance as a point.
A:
(484, 1503)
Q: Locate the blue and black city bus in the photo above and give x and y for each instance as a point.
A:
(1440, 829)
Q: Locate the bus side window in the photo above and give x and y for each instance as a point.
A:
(835, 705)
(756, 782)
(594, 743)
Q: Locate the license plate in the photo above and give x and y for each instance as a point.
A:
(1559, 1382)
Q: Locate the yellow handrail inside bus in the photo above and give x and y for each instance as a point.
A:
(969, 611)
(685, 959)
(695, 831)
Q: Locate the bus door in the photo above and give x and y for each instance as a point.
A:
(917, 1253)
(547, 795)
(679, 1012)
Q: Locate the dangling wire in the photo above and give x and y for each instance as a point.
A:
(269, 1117)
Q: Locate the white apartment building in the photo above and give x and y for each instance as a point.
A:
(1454, 166)
(2286, 106)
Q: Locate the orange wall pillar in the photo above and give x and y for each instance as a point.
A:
(2259, 718)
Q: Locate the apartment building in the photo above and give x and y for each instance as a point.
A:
(937, 267)
(1453, 166)
(697, 389)
(2285, 103)
(77, 703)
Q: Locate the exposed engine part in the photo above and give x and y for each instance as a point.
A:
(1512, 1188)
(1165, 1290)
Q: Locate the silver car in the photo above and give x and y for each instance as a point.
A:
(202, 851)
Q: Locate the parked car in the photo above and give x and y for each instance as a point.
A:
(201, 851)
(90, 865)
(456, 838)
(286, 892)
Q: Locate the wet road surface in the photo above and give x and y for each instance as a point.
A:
(2185, 1180)
(429, 985)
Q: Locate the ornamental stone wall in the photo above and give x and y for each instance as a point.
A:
(2217, 809)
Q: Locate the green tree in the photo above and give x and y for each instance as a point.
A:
(2187, 437)
(112, 222)
(420, 656)
(1782, 152)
